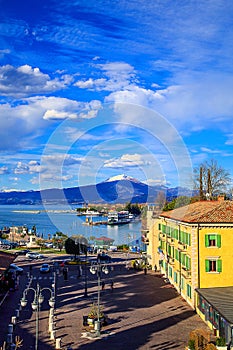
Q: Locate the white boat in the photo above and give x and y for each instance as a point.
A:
(118, 218)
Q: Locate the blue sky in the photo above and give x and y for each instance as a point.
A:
(90, 90)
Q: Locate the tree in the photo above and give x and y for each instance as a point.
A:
(209, 177)
(76, 245)
(177, 202)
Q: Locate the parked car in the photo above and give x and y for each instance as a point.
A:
(23, 252)
(16, 269)
(45, 268)
(34, 255)
(104, 258)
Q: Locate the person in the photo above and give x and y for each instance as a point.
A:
(65, 273)
(103, 285)
(155, 268)
(111, 285)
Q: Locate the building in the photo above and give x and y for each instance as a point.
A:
(192, 247)
(103, 242)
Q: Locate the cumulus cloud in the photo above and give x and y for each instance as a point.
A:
(31, 114)
(4, 170)
(117, 76)
(126, 160)
(25, 81)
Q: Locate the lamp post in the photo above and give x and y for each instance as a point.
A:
(38, 300)
(85, 276)
(96, 269)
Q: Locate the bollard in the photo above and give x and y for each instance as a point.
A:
(13, 320)
(53, 335)
(17, 313)
(9, 338)
(10, 328)
(58, 343)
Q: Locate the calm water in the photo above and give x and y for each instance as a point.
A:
(67, 222)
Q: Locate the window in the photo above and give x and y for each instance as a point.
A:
(175, 277)
(213, 240)
(213, 265)
(189, 291)
(170, 272)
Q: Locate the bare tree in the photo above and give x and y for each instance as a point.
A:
(209, 177)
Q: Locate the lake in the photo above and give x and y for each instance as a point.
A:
(65, 220)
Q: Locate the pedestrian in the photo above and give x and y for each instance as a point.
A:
(65, 273)
(155, 268)
(103, 285)
(111, 285)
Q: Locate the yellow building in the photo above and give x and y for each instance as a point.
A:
(192, 247)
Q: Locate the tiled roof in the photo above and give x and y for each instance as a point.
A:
(203, 212)
(221, 298)
(103, 238)
(5, 260)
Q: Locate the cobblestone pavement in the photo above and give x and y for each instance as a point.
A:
(143, 313)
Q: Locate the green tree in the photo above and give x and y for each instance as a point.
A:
(176, 203)
(76, 245)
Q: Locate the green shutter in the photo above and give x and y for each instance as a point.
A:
(207, 266)
(207, 240)
(159, 226)
(218, 241)
(219, 265)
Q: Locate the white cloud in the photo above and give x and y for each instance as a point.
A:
(21, 168)
(117, 76)
(4, 170)
(126, 160)
(26, 81)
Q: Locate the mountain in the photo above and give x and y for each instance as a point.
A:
(117, 189)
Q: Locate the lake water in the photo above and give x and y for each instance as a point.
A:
(63, 219)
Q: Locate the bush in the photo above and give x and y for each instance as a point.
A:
(220, 341)
(191, 344)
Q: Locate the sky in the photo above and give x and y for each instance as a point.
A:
(91, 90)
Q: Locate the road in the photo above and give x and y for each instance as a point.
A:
(143, 312)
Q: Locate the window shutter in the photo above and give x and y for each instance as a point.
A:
(218, 241)
(207, 240)
(159, 226)
(207, 266)
(219, 265)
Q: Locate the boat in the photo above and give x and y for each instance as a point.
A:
(118, 218)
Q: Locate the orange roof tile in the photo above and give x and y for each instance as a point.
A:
(203, 212)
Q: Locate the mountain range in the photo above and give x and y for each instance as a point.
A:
(117, 189)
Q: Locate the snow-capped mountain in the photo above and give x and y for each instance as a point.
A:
(117, 189)
(120, 178)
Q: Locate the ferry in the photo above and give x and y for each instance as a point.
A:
(119, 218)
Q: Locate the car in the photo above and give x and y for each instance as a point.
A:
(34, 255)
(104, 258)
(23, 252)
(15, 269)
(45, 268)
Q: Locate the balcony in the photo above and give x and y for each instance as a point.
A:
(186, 273)
(171, 261)
(182, 247)
(162, 236)
(171, 241)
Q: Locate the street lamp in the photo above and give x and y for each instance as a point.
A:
(38, 300)
(96, 269)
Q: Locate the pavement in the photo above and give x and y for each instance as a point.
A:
(143, 313)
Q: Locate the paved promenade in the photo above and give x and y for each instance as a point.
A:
(143, 313)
